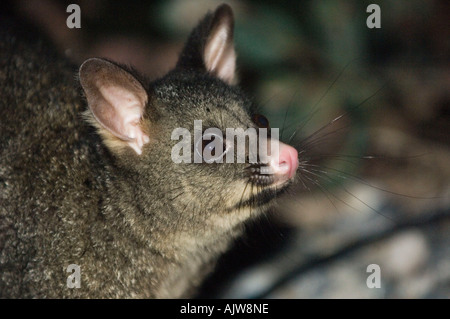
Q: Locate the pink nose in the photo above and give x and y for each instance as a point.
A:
(287, 163)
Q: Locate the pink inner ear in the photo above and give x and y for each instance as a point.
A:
(219, 55)
(215, 48)
(121, 115)
(227, 69)
(116, 99)
(125, 113)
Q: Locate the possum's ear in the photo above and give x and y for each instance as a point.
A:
(219, 55)
(116, 102)
(210, 46)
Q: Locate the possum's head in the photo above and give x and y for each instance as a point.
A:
(155, 129)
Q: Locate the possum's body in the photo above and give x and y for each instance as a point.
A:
(136, 223)
(55, 181)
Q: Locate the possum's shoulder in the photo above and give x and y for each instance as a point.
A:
(40, 108)
(36, 81)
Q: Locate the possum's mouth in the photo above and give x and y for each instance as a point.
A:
(262, 188)
(258, 177)
(261, 175)
(260, 195)
(266, 181)
(264, 196)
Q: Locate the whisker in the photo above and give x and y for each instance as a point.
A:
(315, 108)
(286, 113)
(319, 138)
(342, 115)
(347, 204)
(324, 191)
(351, 194)
(362, 181)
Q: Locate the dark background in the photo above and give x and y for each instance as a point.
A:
(379, 190)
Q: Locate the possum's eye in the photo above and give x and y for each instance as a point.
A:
(261, 121)
(212, 147)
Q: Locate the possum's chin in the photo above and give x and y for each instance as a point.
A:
(262, 196)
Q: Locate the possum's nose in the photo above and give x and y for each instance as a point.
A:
(286, 163)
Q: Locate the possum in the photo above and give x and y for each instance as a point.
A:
(87, 177)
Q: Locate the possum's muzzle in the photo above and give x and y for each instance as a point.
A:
(278, 169)
(266, 181)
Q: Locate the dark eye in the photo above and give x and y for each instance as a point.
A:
(261, 121)
(206, 147)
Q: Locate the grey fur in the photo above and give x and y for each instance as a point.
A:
(138, 226)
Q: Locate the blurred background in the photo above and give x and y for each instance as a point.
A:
(375, 183)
